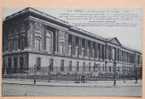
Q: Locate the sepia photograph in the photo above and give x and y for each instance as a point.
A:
(72, 52)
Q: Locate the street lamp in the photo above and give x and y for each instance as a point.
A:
(35, 73)
(49, 73)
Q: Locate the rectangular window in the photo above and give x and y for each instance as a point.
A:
(70, 65)
(69, 39)
(83, 43)
(77, 41)
(51, 65)
(22, 42)
(77, 66)
(110, 69)
(38, 63)
(62, 65)
(37, 44)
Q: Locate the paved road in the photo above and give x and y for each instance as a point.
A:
(35, 90)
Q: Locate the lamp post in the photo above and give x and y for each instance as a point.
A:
(35, 72)
(48, 73)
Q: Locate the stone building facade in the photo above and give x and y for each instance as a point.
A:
(35, 41)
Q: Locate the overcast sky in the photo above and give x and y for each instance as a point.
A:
(125, 24)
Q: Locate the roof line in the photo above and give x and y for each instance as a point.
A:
(45, 15)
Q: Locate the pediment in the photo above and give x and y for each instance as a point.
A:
(115, 41)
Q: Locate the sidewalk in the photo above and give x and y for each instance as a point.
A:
(54, 83)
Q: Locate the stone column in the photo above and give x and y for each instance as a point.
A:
(73, 46)
(80, 47)
(30, 35)
(97, 51)
(106, 52)
(66, 44)
(86, 48)
(101, 51)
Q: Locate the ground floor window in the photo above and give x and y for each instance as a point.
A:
(70, 65)
(51, 65)
(38, 63)
(110, 69)
(62, 65)
(95, 67)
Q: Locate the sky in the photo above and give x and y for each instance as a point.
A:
(125, 24)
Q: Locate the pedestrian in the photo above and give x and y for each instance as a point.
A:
(34, 81)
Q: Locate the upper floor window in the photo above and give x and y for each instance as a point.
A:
(69, 38)
(83, 43)
(77, 41)
(37, 44)
(22, 42)
(48, 42)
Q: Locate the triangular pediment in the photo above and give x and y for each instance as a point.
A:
(115, 41)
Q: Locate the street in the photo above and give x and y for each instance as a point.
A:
(43, 90)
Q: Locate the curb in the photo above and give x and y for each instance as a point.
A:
(51, 85)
